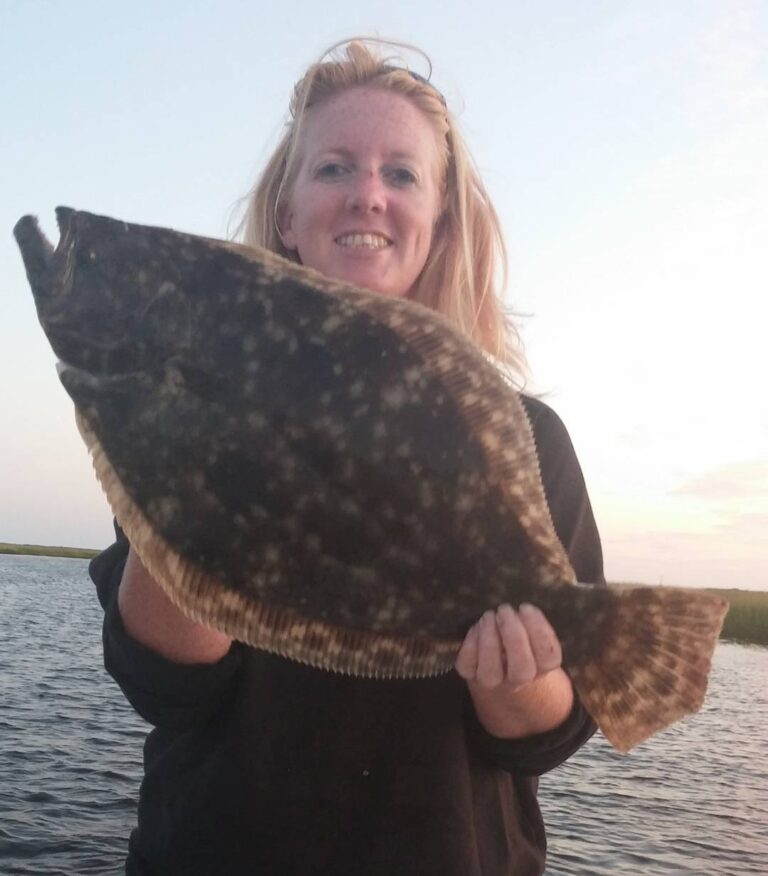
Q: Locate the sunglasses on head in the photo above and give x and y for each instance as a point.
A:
(420, 79)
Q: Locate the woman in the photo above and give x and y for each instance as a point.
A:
(260, 765)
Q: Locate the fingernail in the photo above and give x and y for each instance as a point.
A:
(503, 612)
(528, 608)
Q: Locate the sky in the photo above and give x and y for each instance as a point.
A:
(624, 144)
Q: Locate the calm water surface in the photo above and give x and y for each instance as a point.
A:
(693, 800)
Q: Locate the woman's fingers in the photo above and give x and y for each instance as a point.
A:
(543, 640)
(509, 646)
(490, 655)
(481, 658)
(521, 663)
(466, 662)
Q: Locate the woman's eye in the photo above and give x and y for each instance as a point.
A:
(332, 170)
(401, 176)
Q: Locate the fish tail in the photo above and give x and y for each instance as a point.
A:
(651, 665)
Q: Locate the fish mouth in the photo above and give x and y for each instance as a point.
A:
(364, 240)
(38, 253)
(64, 217)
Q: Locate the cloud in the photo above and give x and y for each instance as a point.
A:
(750, 526)
(734, 553)
(727, 54)
(709, 55)
(742, 480)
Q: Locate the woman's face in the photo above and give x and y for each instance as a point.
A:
(367, 194)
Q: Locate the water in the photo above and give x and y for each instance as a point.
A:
(693, 800)
(70, 746)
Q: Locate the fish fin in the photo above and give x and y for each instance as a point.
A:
(208, 601)
(652, 669)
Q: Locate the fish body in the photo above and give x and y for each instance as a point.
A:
(333, 475)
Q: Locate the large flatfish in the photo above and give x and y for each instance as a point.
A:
(333, 475)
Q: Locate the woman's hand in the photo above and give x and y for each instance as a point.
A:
(511, 663)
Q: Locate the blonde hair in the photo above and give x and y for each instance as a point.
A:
(466, 268)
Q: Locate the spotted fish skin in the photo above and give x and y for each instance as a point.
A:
(331, 474)
(329, 470)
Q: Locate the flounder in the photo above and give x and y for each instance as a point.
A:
(332, 475)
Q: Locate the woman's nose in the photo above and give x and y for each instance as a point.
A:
(367, 194)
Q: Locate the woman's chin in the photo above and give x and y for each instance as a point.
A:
(372, 281)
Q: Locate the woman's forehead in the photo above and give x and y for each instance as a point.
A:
(361, 118)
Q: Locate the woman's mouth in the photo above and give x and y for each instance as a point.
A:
(364, 240)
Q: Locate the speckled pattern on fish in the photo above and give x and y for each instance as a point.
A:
(334, 475)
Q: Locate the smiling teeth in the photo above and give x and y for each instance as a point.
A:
(372, 241)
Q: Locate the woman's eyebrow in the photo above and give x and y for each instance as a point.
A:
(348, 154)
(337, 151)
(403, 155)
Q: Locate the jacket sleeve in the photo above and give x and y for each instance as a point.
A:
(170, 695)
(574, 523)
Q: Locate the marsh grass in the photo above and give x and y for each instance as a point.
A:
(41, 550)
(747, 618)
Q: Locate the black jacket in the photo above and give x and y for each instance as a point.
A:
(259, 765)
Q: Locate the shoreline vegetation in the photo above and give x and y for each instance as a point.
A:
(42, 550)
(747, 619)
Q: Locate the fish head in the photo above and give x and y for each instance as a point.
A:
(102, 315)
